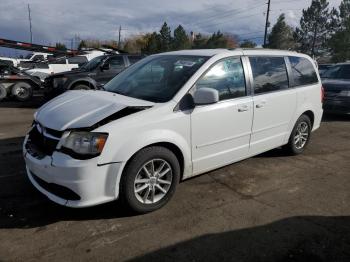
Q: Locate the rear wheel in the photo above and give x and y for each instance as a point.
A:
(150, 179)
(3, 92)
(300, 136)
(22, 91)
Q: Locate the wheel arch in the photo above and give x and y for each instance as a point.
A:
(84, 81)
(180, 155)
(170, 146)
(310, 115)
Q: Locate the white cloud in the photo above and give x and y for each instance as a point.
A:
(60, 20)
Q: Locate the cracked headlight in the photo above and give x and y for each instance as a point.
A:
(84, 144)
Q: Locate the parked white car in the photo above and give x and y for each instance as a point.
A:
(32, 57)
(167, 118)
(63, 64)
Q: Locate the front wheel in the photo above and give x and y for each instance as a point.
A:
(150, 179)
(300, 136)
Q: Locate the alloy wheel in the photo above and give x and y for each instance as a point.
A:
(153, 181)
(301, 135)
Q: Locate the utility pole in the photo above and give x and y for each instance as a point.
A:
(120, 30)
(30, 25)
(267, 22)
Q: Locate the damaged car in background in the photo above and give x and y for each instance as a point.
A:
(167, 118)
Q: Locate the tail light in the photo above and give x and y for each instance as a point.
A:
(322, 94)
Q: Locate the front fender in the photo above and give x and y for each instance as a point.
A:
(119, 149)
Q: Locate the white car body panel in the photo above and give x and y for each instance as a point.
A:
(208, 136)
(217, 141)
(97, 106)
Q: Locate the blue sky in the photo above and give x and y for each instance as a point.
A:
(59, 21)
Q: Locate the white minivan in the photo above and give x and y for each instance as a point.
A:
(169, 117)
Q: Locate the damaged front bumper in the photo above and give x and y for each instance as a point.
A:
(71, 182)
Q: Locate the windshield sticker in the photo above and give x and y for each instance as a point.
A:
(185, 63)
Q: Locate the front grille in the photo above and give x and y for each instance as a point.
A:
(57, 190)
(39, 145)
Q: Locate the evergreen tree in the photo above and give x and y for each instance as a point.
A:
(61, 46)
(313, 33)
(180, 40)
(152, 45)
(281, 36)
(247, 44)
(344, 13)
(165, 38)
(82, 45)
(199, 41)
(340, 42)
(217, 40)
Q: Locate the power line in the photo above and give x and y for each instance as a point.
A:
(229, 14)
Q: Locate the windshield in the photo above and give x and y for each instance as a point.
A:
(29, 56)
(332, 72)
(92, 64)
(157, 78)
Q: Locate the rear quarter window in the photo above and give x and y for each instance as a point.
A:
(303, 72)
(134, 59)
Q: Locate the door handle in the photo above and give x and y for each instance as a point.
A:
(261, 104)
(243, 108)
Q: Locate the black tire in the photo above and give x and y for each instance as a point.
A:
(128, 195)
(81, 87)
(22, 91)
(3, 92)
(292, 147)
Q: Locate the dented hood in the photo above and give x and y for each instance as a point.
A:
(80, 109)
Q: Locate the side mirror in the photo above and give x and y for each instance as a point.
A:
(205, 96)
(105, 66)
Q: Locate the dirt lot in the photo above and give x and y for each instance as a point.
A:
(272, 207)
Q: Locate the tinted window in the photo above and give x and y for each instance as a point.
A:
(227, 77)
(156, 78)
(345, 72)
(116, 62)
(94, 63)
(332, 72)
(269, 74)
(59, 61)
(38, 58)
(133, 59)
(77, 60)
(303, 71)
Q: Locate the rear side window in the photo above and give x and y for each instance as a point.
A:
(269, 74)
(227, 77)
(345, 72)
(80, 60)
(116, 62)
(133, 59)
(303, 72)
